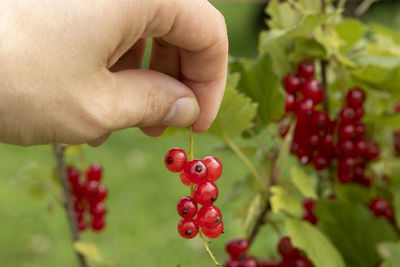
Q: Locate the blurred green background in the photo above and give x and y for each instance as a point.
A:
(142, 199)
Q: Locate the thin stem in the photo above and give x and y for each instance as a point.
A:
(324, 74)
(260, 222)
(191, 157)
(62, 174)
(298, 7)
(260, 143)
(246, 161)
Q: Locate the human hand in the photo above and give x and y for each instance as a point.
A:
(70, 69)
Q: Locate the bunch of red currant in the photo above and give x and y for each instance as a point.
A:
(291, 256)
(201, 173)
(88, 197)
(380, 207)
(319, 140)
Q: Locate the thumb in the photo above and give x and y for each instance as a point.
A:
(146, 98)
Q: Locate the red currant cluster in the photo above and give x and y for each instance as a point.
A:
(201, 173)
(291, 256)
(396, 135)
(319, 140)
(309, 207)
(380, 207)
(88, 197)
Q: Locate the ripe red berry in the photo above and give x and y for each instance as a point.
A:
(310, 217)
(285, 248)
(98, 210)
(355, 97)
(309, 204)
(290, 103)
(214, 168)
(320, 120)
(213, 232)
(237, 247)
(347, 115)
(305, 69)
(82, 225)
(359, 113)
(381, 208)
(291, 83)
(95, 192)
(248, 262)
(345, 148)
(327, 144)
(187, 207)
(73, 174)
(372, 150)
(78, 205)
(303, 154)
(305, 109)
(205, 193)
(98, 224)
(301, 262)
(209, 217)
(175, 160)
(184, 180)
(94, 172)
(196, 171)
(188, 228)
(313, 141)
(360, 148)
(232, 263)
(347, 132)
(311, 89)
(360, 130)
(345, 177)
(346, 164)
(320, 162)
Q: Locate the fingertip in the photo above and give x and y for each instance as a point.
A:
(153, 131)
(99, 141)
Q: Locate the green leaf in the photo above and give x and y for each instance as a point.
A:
(306, 48)
(307, 25)
(314, 243)
(302, 182)
(283, 199)
(235, 114)
(283, 16)
(353, 230)
(89, 250)
(252, 211)
(384, 120)
(352, 193)
(390, 252)
(311, 5)
(379, 78)
(350, 31)
(391, 33)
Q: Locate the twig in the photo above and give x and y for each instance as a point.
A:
(259, 222)
(324, 65)
(363, 7)
(62, 174)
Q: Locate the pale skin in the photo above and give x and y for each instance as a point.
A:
(70, 70)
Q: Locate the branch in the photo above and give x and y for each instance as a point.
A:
(69, 207)
(260, 222)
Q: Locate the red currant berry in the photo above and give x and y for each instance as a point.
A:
(313, 141)
(360, 148)
(320, 119)
(309, 204)
(320, 162)
(305, 109)
(346, 164)
(311, 89)
(73, 174)
(310, 217)
(94, 172)
(248, 262)
(95, 192)
(327, 144)
(187, 207)
(347, 132)
(305, 69)
(381, 208)
(304, 155)
(78, 205)
(98, 224)
(237, 247)
(196, 171)
(291, 83)
(213, 232)
(360, 130)
(290, 103)
(372, 150)
(205, 193)
(359, 113)
(347, 115)
(175, 160)
(209, 217)
(232, 263)
(355, 97)
(286, 248)
(188, 228)
(301, 262)
(214, 168)
(345, 177)
(184, 180)
(82, 225)
(345, 148)
(98, 210)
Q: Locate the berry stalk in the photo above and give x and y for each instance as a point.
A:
(69, 207)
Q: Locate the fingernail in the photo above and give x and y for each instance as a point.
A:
(183, 112)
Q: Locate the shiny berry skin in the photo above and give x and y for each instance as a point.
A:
(345, 148)
(381, 208)
(291, 83)
(209, 217)
(285, 247)
(310, 217)
(95, 192)
(346, 164)
(205, 193)
(214, 168)
(232, 263)
(184, 180)
(98, 210)
(345, 177)
(305, 109)
(311, 89)
(98, 224)
(347, 132)
(320, 119)
(313, 141)
(301, 262)
(196, 171)
(305, 69)
(327, 144)
(187, 207)
(82, 225)
(248, 262)
(309, 204)
(355, 97)
(213, 232)
(359, 113)
(94, 172)
(290, 103)
(237, 247)
(320, 162)
(73, 174)
(360, 148)
(304, 155)
(360, 130)
(347, 115)
(175, 160)
(188, 228)
(372, 150)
